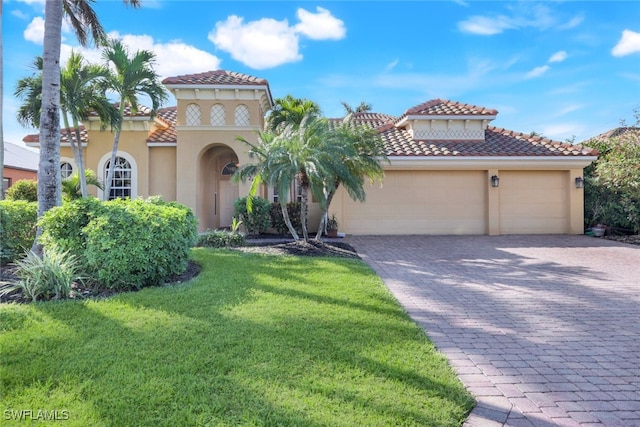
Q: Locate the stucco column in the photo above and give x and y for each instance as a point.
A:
(493, 204)
(576, 203)
(187, 167)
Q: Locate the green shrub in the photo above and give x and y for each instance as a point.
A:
(49, 277)
(24, 189)
(63, 226)
(221, 239)
(17, 228)
(277, 221)
(612, 183)
(258, 220)
(123, 244)
(134, 243)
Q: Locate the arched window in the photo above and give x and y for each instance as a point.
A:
(193, 115)
(66, 169)
(122, 182)
(229, 168)
(217, 115)
(242, 115)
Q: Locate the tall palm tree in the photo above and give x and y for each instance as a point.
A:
(360, 155)
(290, 111)
(82, 17)
(81, 94)
(133, 76)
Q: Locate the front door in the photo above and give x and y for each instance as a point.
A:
(228, 193)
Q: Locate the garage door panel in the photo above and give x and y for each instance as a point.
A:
(421, 202)
(533, 202)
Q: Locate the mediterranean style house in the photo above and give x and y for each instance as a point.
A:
(450, 172)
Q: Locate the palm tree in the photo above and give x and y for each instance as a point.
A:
(298, 152)
(81, 95)
(361, 150)
(261, 172)
(82, 17)
(290, 111)
(362, 108)
(71, 186)
(133, 76)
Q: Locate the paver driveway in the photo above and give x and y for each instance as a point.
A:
(543, 330)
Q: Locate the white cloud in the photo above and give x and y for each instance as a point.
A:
(172, 58)
(35, 30)
(629, 43)
(321, 25)
(569, 109)
(390, 66)
(268, 43)
(558, 56)
(265, 43)
(562, 131)
(19, 14)
(523, 15)
(572, 23)
(537, 72)
(485, 26)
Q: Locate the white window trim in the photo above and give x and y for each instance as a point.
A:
(134, 172)
(74, 167)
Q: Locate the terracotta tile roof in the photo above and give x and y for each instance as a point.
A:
(497, 142)
(373, 120)
(218, 77)
(631, 134)
(443, 107)
(64, 136)
(143, 111)
(166, 116)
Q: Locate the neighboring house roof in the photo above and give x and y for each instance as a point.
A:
(218, 77)
(632, 133)
(443, 107)
(18, 157)
(64, 136)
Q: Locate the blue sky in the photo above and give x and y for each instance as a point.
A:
(561, 68)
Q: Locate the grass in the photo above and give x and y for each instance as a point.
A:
(254, 340)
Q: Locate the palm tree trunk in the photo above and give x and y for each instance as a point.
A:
(303, 212)
(114, 152)
(76, 154)
(49, 190)
(322, 227)
(80, 160)
(287, 220)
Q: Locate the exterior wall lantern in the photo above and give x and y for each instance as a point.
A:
(495, 181)
(579, 182)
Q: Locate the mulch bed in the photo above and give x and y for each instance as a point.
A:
(302, 248)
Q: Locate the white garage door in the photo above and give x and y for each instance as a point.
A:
(533, 202)
(421, 202)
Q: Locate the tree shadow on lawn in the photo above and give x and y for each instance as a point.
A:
(207, 351)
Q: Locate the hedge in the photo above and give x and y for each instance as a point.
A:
(17, 228)
(124, 244)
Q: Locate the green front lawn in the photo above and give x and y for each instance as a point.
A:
(253, 340)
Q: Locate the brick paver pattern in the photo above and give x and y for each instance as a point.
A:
(543, 330)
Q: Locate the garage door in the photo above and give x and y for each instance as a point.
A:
(421, 202)
(533, 202)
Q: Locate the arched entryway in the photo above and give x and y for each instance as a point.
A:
(217, 193)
